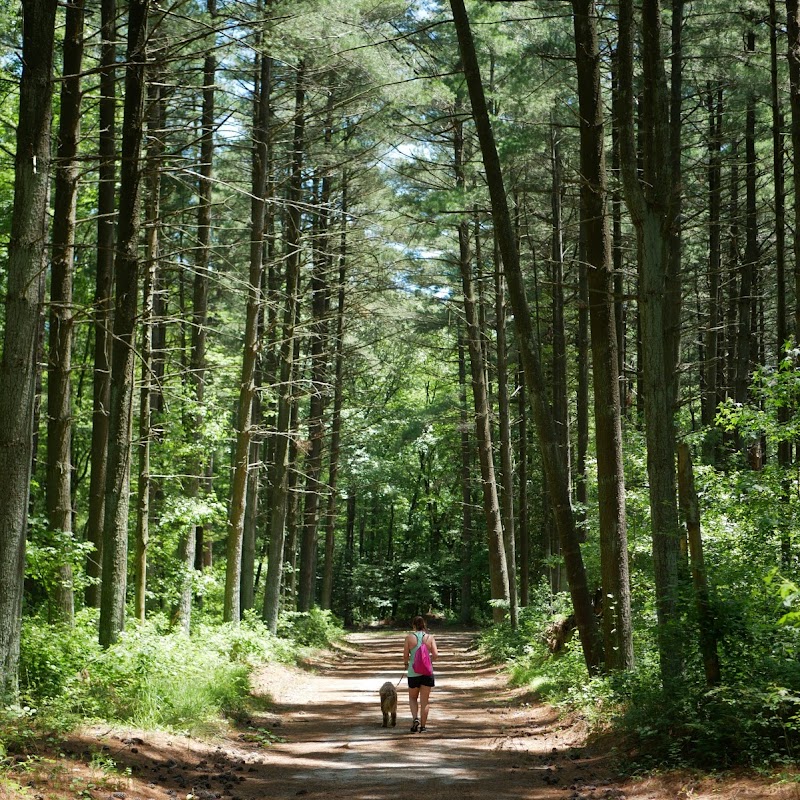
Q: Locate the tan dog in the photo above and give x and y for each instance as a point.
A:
(389, 703)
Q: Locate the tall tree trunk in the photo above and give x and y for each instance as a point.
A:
(277, 526)
(617, 626)
(582, 395)
(126, 267)
(674, 299)
(780, 198)
(59, 399)
(734, 260)
(506, 452)
(650, 204)
(319, 376)
(711, 381)
(778, 171)
(188, 545)
(793, 31)
(558, 376)
(155, 151)
(101, 312)
(749, 265)
(498, 569)
(261, 133)
(26, 258)
(289, 582)
(705, 616)
(466, 486)
(336, 417)
(522, 475)
(558, 482)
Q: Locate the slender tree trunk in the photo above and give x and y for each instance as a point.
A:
(617, 626)
(233, 567)
(780, 198)
(277, 527)
(673, 299)
(558, 377)
(59, 401)
(336, 417)
(126, 267)
(155, 151)
(294, 468)
(749, 265)
(582, 395)
(711, 398)
(251, 514)
(558, 483)
(319, 377)
(522, 475)
(733, 273)
(620, 305)
(188, 545)
(101, 312)
(793, 31)
(506, 452)
(778, 171)
(691, 513)
(498, 569)
(466, 486)
(26, 259)
(650, 204)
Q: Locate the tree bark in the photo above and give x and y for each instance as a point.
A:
(522, 475)
(705, 617)
(26, 254)
(59, 399)
(126, 267)
(527, 342)
(711, 398)
(277, 526)
(617, 625)
(498, 568)
(506, 452)
(558, 375)
(336, 416)
(319, 376)
(261, 133)
(793, 31)
(155, 151)
(650, 202)
(465, 614)
(197, 360)
(749, 264)
(101, 311)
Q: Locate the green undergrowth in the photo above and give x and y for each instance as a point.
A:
(751, 719)
(153, 677)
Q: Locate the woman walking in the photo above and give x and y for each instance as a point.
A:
(419, 685)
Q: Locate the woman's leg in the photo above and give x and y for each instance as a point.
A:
(413, 695)
(424, 704)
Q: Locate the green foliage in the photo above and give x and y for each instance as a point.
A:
(155, 677)
(47, 551)
(417, 593)
(315, 628)
(752, 718)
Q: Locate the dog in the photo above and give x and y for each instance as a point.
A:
(389, 703)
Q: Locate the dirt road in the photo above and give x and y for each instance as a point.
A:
(321, 737)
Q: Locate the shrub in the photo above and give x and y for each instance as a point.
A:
(315, 628)
(153, 676)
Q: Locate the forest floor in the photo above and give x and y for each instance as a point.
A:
(320, 736)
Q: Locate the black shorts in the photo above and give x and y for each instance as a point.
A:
(415, 681)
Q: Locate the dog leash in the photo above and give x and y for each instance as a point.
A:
(401, 678)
